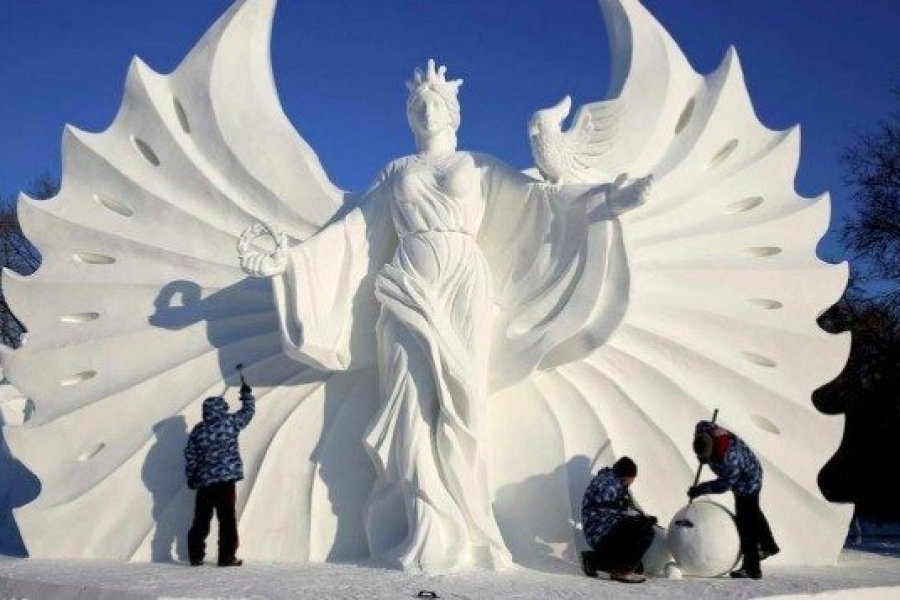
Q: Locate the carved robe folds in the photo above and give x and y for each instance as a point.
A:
(457, 278)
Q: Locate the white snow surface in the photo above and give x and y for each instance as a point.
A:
(857, 575)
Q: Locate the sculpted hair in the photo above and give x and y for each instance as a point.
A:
(434, 81)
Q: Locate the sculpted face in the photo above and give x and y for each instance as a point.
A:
(428, 114)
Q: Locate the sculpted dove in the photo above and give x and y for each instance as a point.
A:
(573, 155)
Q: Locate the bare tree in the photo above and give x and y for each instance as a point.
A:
(868, 389)
(17, 253)
(872, 235)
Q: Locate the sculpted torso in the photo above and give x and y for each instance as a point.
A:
(437, 205)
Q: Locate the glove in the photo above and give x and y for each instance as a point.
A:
(694, 491)
(246, 389)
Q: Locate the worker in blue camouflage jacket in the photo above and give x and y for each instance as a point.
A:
(212, 464)
(615, 528)
(738, 470)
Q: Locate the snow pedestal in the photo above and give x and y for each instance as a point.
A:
(704, 540)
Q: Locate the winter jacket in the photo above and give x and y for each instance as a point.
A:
(735, 464)
(212, 454)
(605, 503)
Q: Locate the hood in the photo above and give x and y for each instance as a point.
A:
(705, 427)
(214, 407)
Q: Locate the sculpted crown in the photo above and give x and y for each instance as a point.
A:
(434, 79)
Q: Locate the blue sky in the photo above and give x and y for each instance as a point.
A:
(341, 64)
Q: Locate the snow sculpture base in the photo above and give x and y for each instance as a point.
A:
(711, 547)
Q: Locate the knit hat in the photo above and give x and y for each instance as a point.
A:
(625, 467)
(703, 446)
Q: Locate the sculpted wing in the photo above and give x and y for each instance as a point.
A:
(139, 311)
(592, 134)
(724, 288)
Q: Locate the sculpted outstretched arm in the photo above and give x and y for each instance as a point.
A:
(618, 197)
(324, 286)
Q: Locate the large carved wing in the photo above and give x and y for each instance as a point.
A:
(723, 291)
(139, 310)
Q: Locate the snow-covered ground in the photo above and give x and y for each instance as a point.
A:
(859, 574)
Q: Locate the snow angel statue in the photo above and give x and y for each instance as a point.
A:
(425, 243)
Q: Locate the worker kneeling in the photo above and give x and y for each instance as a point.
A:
(614, 526)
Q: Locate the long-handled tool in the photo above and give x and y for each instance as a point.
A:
(240, 370)
(688, 522)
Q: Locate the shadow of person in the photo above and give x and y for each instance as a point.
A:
(240, 320)
(241, 325)
(539, 517)
(18, 487)
(163, 475)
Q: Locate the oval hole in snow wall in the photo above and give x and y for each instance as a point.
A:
(743, 205)
(77, 378)
(765, 424)
(765, 303)
(182, 115)
(145, 150)
(722, 154)
(686, 114)
(90, 258)
(758, 359)
(82, 317)
(110, 203)
(91, 453)
(762, 251)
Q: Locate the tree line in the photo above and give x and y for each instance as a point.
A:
(868, 390)
(18, 254)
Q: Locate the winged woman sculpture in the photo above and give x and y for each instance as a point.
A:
(446, 356)
(415, 235)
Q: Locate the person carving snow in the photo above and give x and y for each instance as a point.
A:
(617, 530)
(212, 464)
(738, 470)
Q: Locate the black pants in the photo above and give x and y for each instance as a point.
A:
(623, 547)
(753, 529)
(221, 498)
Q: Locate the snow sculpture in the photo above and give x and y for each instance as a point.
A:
(389, 424)
(419, 252)
(709, 546)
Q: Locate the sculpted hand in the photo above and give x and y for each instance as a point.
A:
(257, 263)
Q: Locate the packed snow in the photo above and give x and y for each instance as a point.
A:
(858, 575)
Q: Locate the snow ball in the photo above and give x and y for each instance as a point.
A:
(704, 540)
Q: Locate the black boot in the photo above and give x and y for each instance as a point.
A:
(232, 562)
(587, 564)
(744, 573)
